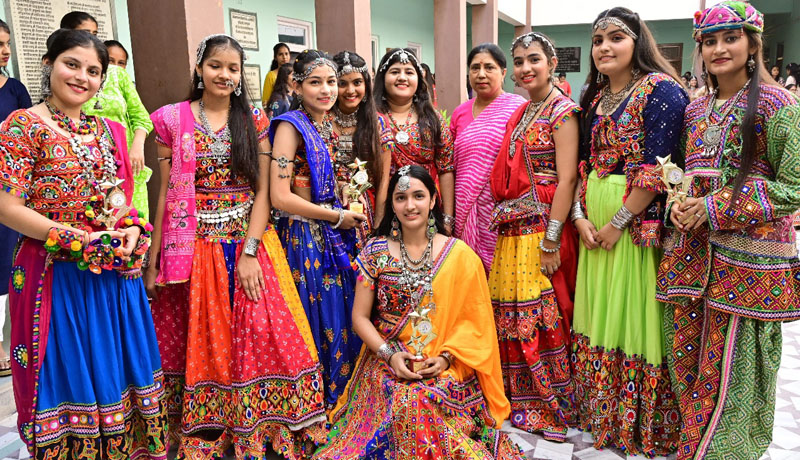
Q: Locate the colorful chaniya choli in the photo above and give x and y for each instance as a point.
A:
(622, 384)
(456, 415)
(533, 311)
(418, 149)
(91, 328)
(320, 257)
(247, 368)
(730, 283)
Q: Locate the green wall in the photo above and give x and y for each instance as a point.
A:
(397, 23)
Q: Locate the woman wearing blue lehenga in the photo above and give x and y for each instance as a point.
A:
(316, 232)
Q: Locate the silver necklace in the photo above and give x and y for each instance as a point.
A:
(402, 135)
(345, 120)
(610, 101)
(527, 118)
(416, 274)
(712, 137)
(221, 140)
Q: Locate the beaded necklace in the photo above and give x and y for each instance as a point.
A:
(86, 126)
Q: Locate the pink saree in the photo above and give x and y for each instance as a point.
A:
(477, 142)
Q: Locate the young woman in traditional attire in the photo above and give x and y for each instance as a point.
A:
(731, 274)
(411, 126)
(431, 307)
(478, 127)
(228, 314)
(355, 123)
(86, 369)
(316, 231)
(532, 280)
(632, 114)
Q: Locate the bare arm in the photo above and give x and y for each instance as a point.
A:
(158, 221)
(15, 215)
(447, 188)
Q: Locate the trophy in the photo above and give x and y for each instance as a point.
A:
(674, 178)
(114, 207)
(421, 333)
(359, 183)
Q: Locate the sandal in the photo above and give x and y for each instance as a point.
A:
(5, 367)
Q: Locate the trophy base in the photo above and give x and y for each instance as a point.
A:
(356, 207)
(416, 366)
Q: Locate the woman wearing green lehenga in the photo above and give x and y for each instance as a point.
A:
(632, 114)
(730, 273)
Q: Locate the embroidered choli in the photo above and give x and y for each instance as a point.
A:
(420, 148)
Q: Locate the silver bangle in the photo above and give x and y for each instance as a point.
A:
(554, 229)
(341, 218)
(385, 352)
(251, 246)
(622, 218)
(577, 212)
(548, 250)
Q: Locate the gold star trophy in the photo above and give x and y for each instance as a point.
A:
(359, 183)
(114, 207)
(674, 178)
(421, 333)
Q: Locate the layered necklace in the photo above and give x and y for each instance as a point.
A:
(416, 275)
(86, 126)
(610, 101)
(221, 140)
(325, 129)
(402, 135)
(712, 137)
(345, 141)
(530, 111)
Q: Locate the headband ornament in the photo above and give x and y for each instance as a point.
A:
(404, 182)
(404, 57)
(348, 67)
(318, 62)
(527, 39)
(606, 21)
(727, 15)
(201, 49)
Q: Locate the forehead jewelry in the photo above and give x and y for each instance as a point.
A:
(313, 65)
(404, 182)
(527, 39)
(348, 67)
(611, 20)
(403, 57)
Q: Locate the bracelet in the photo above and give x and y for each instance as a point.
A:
(577, 211)
(554, 229)
(385, 352)
(251, 246)
(59, 238)
(341, 218)
(448, 357)
(449, 220)
(622, 218)
(548, 250)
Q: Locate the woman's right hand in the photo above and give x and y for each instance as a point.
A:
(398, 364)
(351, 219)
(150, 276)
(588, 233)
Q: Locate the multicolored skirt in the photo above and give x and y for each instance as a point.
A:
(623, 389)
(98, 390)
(251, 370)
(533, 313)
(327, 295)
(413, 420)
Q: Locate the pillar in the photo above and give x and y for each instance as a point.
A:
(519, 30)
(450, 47)
(484, 23)
(344, 25)
(164, 39)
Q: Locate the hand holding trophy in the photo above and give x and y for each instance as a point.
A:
(359, 183)
(674, 179)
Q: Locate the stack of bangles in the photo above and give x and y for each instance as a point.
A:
(552, 234)
(576, 212)
(386, 351)
(622, 218)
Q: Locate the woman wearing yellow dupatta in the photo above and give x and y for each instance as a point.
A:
(433, 313)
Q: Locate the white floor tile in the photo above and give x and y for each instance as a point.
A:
(792, 387)
(784, 438)
(789, 362)
(781, 454)
(587, 437)
(572, 432)
(594, 454)
(8, 438)
(523, 444)
(553, 451)
(789, 374)
(785, 419)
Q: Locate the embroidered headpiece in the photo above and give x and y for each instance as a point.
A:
(405, 180)
(313, 65)
(606, 21)
(348, 67)
(404, 57)
(201, 49)
(727, 15)
(527, 39)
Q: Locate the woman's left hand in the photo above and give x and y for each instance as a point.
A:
(250, 277)
(608, 236)
(136, 155)
(691, 213)
(434, 367)
(550, 261)
(132, 234)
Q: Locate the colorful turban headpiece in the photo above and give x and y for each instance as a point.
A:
(727, 15)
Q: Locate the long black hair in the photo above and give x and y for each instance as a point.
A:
(275, 50)
(73, 19)
(748, 126)
(244, 142)
(415, 172)
(299, 67)
(113, 43)
(64, 39)
(4, 27)
(282, 87)
(366, 142)
(429, 121)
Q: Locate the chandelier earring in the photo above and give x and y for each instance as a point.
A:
(431, 231)
(98, 105)
(47, 70)
(396, 234)
(200, 84)
(238, 90)
(751, 64)
(599, 77)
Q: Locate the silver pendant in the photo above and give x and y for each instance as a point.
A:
(402, 137)
(712, 136)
